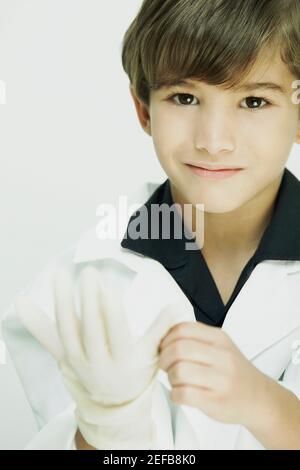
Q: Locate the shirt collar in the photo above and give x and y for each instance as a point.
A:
(169, 251)
(280, 241)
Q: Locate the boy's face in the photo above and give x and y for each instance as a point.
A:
(225, 127)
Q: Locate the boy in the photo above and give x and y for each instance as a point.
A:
(234, 364)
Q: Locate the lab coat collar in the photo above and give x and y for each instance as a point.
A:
(166, 249)
(90, 247)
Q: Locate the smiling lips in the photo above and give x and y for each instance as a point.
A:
(213, 174)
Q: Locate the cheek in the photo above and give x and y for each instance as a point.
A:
(171, 136)
(273, 147)
(266, 141)
(170, 150)
(270, 138)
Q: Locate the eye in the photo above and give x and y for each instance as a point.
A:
(255, 99)
(186, 96)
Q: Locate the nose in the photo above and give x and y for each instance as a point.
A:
(215, 133)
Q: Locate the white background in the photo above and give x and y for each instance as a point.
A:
(70, 139)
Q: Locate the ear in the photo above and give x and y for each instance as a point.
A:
(142, 111)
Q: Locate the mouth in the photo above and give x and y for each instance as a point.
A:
(219, 173)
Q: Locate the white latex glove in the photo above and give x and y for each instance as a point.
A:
(110, 377)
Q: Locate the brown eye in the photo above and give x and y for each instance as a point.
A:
(254, 102)
(185, 99)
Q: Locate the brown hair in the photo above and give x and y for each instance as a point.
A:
(215, 41)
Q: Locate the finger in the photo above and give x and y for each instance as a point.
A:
(68, 324)
(119, 337)
(187, 350)
(169, 316)
(94, 336)
(40, 326)
(193, 374)
(195, 330)
(197, 397)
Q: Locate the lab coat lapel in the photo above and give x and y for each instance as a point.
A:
(150, 291)
(265, 310)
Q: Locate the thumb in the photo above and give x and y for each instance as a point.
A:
(39, 325)
(170, 315)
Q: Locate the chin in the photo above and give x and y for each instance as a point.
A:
(220, 207)
(218, 210)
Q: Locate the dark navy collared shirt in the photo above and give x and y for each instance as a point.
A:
(280, 241)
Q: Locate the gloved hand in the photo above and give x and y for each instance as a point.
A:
(110, 376)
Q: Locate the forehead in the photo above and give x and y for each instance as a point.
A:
(271, 68)
(268, 73)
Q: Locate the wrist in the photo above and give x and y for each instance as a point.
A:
(81, 443)
(263, 410)
(126, 426)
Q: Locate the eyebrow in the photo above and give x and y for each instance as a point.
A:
(261, 86)
(245, 87)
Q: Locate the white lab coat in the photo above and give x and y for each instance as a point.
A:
(263, 321)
